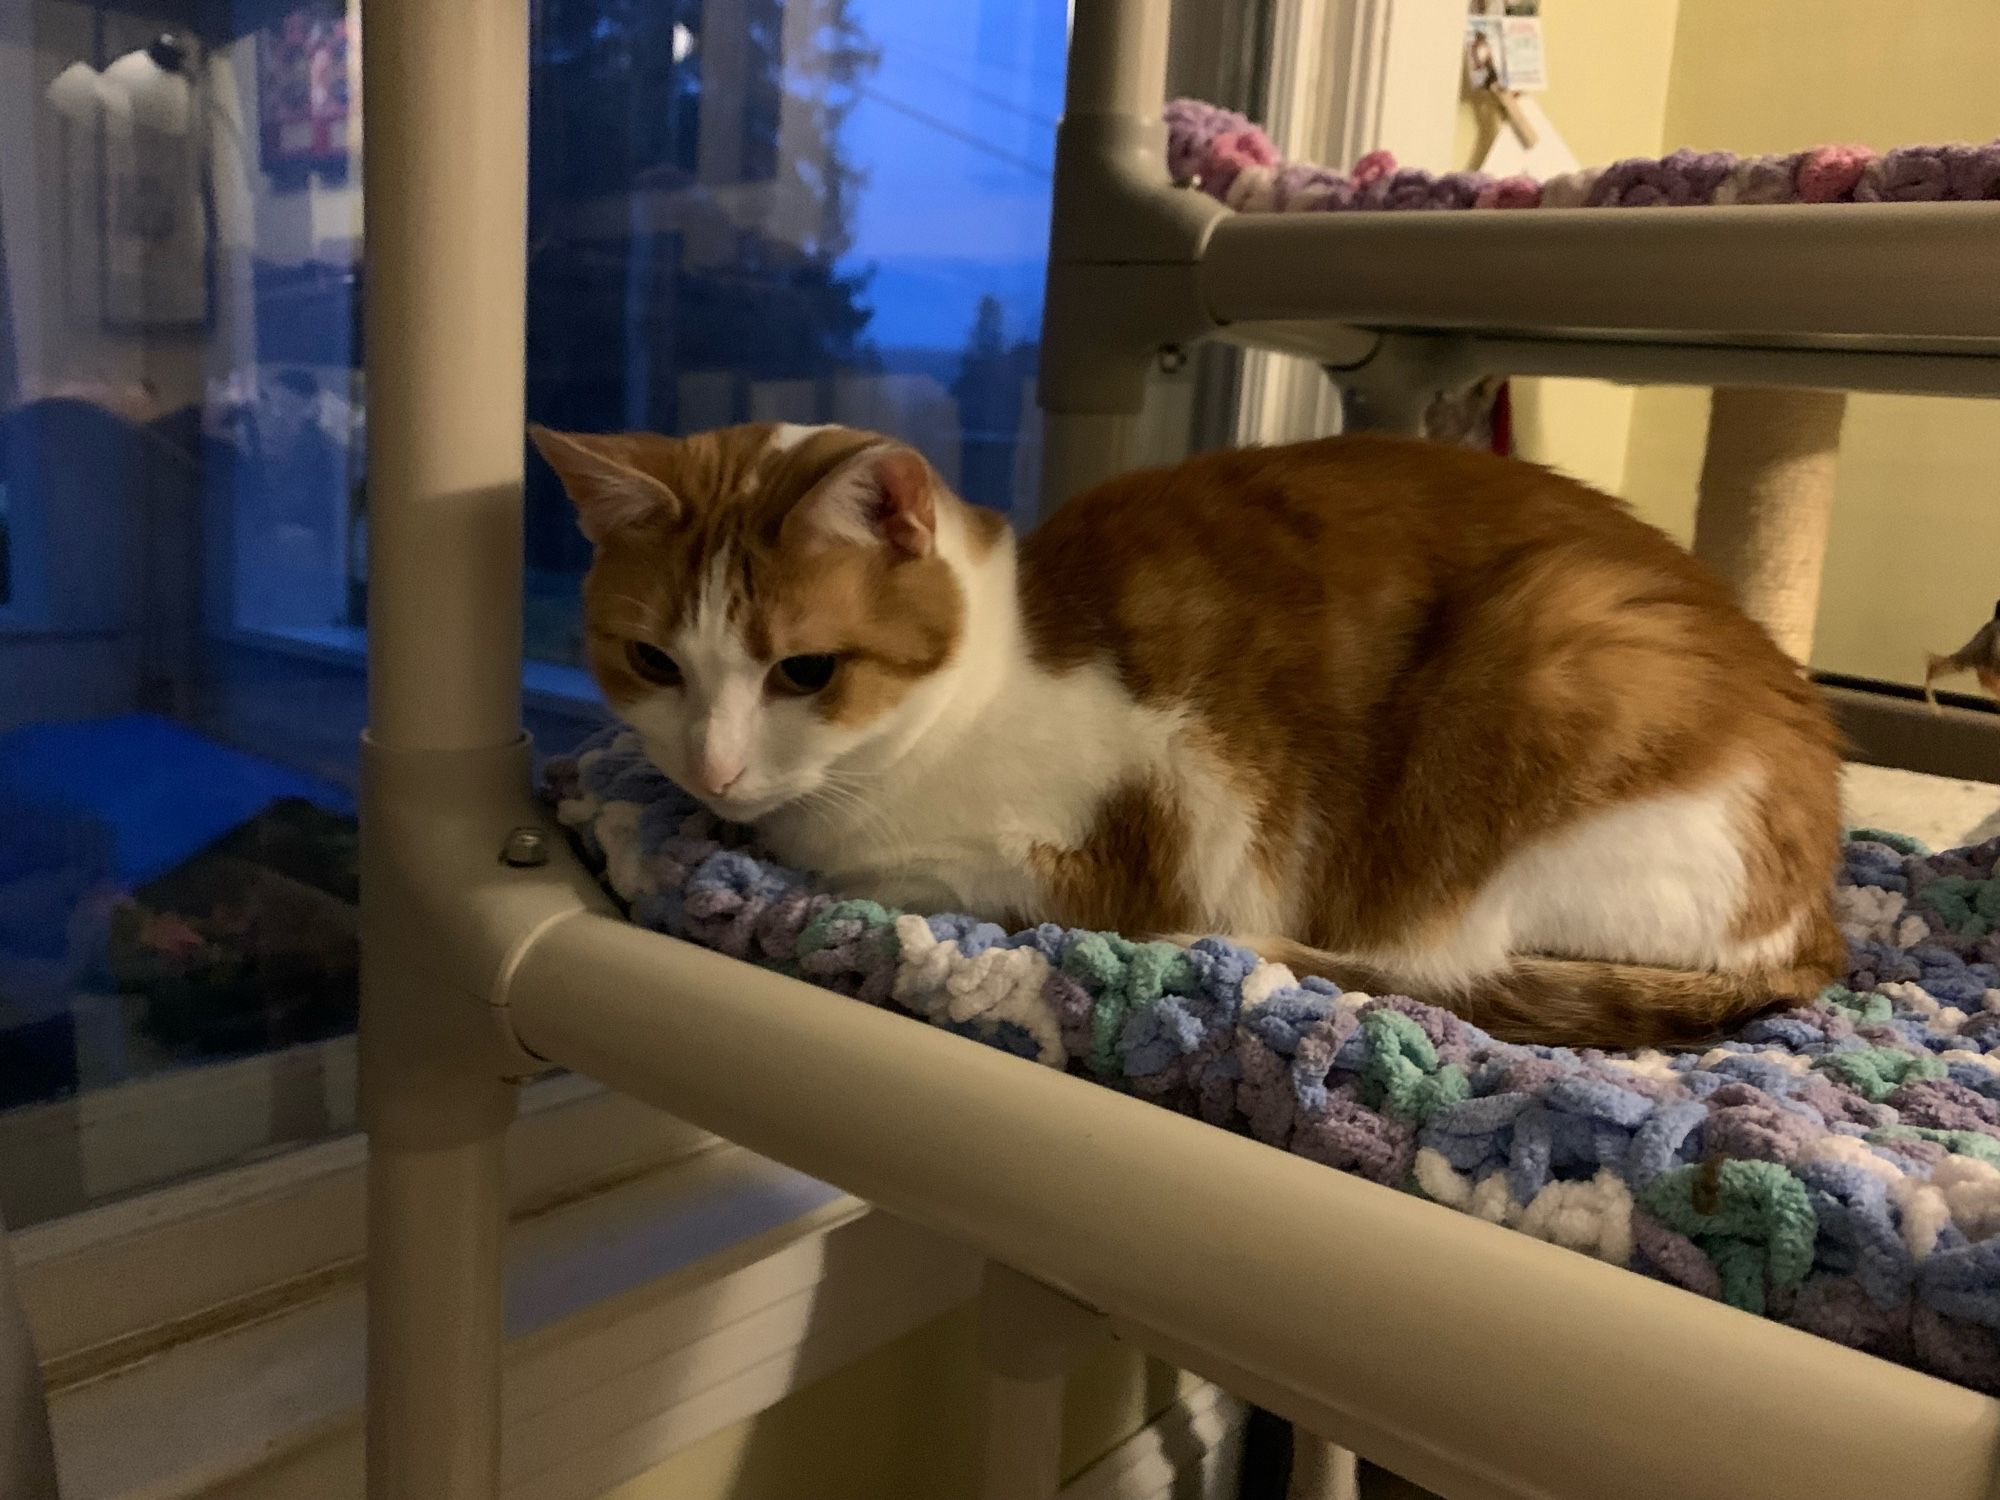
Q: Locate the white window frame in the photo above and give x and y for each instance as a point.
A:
(1359, 75)
(213, 1280)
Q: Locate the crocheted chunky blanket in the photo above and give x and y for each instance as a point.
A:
(1835, 1167)
(1232, 159)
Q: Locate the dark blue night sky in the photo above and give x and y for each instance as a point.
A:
(957, 131)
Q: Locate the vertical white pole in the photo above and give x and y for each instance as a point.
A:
(445, 89)
(435, 1214)
(1091, 388)
(445, 93)
(1029, 1340)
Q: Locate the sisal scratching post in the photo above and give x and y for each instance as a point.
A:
(1766, 497)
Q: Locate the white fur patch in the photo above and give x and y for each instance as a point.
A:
(724, 685)
(992, 758)
(1659, 880)
(719, 721)
(788, 435)
(1229, 889)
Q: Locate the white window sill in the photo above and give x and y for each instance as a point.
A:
(104, 1283)
(658, 1290)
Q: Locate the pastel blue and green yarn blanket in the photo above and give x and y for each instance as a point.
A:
(1835, 1167)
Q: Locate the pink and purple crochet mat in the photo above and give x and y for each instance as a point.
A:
(1835, 1167)
(1230, 158)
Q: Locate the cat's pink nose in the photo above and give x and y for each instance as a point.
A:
(714, 777)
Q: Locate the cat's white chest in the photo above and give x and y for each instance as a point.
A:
(925, 843)
(960, 829)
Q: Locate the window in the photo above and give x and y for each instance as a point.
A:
(7, 386)
(6, 549)
(785, 210)
(815, 209)
(179, 484)
(799, 210)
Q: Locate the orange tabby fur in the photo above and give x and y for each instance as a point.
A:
(1418, 658)
(1395, 670)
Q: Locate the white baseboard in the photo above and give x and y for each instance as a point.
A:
(1191, 1451)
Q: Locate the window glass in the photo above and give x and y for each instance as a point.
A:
(802, 210)
(180, 481)
(807, 211)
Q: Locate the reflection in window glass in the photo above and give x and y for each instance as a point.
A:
(797, 210)
(6, 550)
(180, 679)
(785, 210)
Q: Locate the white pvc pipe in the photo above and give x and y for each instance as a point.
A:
(446, 176)
(434, 1317)
(1444, 1347)
(1030, 1339)
(1081, 449)
(1118, 58)
(445, 191)
(1777, 273)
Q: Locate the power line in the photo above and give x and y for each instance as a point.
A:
(910, 41)
(977, 91)
(945, 127)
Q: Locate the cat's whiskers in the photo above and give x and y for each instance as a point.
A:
(839, 803)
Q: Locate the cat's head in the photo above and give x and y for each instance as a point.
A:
(769, 606)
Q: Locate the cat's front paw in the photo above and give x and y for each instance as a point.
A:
(923, 894)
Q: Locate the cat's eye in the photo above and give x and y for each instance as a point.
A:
(803, 676)
(653, 664)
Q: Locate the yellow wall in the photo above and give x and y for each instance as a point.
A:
(1915, 557)
(1914, 563)
(1609, 64)
(902, 1422)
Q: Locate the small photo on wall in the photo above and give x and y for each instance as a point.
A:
(1485, 53)
(305, 93)
(1521, 59)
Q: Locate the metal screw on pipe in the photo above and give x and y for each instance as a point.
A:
(525, 848)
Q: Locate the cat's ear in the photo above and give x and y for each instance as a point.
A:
(884, 495)
(601, 474)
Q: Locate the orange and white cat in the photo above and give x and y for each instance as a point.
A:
(1418, 719)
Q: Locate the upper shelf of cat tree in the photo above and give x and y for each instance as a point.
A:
(1877, 296)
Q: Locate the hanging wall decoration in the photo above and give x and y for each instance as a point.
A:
(305, 94)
